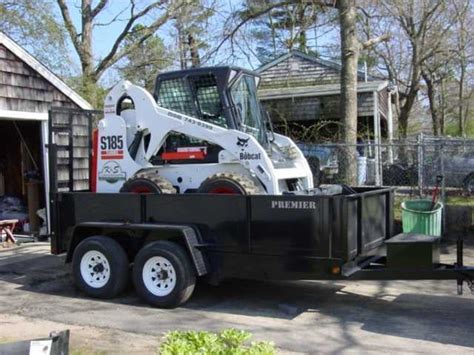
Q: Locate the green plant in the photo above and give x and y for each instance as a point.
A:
(227, 342)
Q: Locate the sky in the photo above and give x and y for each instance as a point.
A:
(105, 35)
(106, 31)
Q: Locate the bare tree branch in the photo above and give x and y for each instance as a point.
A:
(114, 19)
(259, 11)
(70, 27)
(374, 41)
(112, 56)
(99, 8)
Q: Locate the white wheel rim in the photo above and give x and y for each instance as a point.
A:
(95, 269)
(159, 276)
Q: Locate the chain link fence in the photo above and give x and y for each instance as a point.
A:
(410, 165)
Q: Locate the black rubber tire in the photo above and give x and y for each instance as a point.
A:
(234, 183)
(468, 184)
(149, 182)
(184, 269)
(117, 259)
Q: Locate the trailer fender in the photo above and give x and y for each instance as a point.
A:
(189, 234)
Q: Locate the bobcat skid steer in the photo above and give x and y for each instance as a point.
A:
(203, 131)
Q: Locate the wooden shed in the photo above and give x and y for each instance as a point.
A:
(302, 88)
(27, 91)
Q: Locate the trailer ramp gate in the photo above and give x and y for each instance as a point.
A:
(69, 153)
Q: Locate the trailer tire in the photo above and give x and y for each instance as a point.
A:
(148, 182)
(163, 274)
(100, 267)
(229, 183)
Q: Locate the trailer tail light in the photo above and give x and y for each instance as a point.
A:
(336, 270)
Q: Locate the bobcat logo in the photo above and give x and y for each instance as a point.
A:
(242, 142)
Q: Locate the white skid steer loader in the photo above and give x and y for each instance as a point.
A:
(203, 131)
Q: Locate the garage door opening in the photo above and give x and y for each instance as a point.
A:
(21, 174)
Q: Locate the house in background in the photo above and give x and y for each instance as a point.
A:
(301, 90)
(27, 91)
(298, 87)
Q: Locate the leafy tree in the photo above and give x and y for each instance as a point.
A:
(192, 23)
(82, 38)
(142, 65)
(282, 28)
(37, 29)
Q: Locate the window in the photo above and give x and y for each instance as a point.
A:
(174, 95)
(199, 99)
(244, 95)
(208, 100)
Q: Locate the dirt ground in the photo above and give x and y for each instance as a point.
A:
(37, 297)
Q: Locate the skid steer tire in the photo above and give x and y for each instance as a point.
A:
(100, 267)
(163, 274)
(229, 183)
(148, 182)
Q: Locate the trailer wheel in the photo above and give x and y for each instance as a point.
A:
(229, 183)
(163, 274)
(100, 267)
(148, 182)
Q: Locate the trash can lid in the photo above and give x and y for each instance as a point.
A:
(421, 206)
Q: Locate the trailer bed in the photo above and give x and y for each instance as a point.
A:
(277, 237)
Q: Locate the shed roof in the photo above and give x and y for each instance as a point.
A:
(319, 90)
(42, 70)
(324, 62)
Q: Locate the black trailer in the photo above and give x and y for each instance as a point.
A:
(172, 240)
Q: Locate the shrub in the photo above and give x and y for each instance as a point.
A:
(227, 342)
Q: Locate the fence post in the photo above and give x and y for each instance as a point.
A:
(420, 163)
(443, 190)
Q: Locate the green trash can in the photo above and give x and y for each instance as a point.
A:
(418, 217)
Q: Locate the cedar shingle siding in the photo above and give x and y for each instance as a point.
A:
(23, 89)
(297, 71)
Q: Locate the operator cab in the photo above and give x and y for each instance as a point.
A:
(225, 96)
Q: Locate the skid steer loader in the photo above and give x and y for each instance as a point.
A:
(203, 131)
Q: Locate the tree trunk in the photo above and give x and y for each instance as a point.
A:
(443, 107)
(193, 51)
(462, 132)
(181, 44)
(87, 59)
(349, 54)
(405, 113)
(432, 102)
(302, 35)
